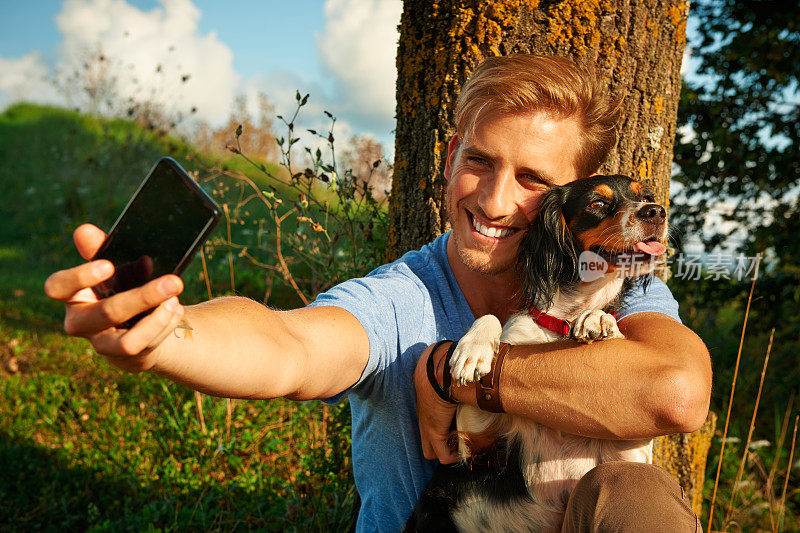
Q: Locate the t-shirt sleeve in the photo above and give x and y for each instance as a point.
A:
(380, 302)
(654, 297)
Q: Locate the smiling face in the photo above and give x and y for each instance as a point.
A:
(496, 176)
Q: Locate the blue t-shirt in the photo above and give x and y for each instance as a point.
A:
(404, 307)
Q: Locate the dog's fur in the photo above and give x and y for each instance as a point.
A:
(515, 474)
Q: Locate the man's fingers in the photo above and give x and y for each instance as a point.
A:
(443, 451)
(64, 284)
(120, 307)
(445, 454)
(88, 239)
(152, 329)
(106, 342)
(436, 446)
(144, 335)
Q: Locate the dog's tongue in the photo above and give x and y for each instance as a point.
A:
(651, 247)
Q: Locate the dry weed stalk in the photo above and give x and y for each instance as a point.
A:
(733, 390)
(198, 397)
(229, 404)
(746, 451)
(774, 468)
(277, 219)
(198, 406)
(230, 255)
(339, 209)
(788, 471)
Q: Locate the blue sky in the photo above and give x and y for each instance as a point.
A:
(230, 48)
(342, 52)
(251, 29)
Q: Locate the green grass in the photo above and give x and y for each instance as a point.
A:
(86, 447)
(715, 311)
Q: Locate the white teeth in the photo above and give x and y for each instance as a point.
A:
(495, 233)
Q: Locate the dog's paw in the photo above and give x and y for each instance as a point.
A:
(595, 325)
(472, 358)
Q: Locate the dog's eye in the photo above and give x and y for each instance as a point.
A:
(598, 204)
(649, 198)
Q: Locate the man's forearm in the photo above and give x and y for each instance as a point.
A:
(238, 348)
(230, 347)
(654, 382)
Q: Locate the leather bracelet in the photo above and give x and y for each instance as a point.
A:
(447, 377)
(442, 391)
(488, 389)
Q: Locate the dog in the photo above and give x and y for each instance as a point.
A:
(515, 474)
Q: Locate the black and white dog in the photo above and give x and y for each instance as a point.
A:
(522, 480)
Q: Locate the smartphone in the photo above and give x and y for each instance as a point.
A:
(159, 232)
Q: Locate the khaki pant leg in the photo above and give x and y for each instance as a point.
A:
(629, 497)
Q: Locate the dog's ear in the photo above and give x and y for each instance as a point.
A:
(548, 253)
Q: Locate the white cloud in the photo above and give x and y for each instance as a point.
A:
(358, 47)
(138, 42)
(281, 88)
(19, 78)
(135, 43)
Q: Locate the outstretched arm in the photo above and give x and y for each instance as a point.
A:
(231, 347)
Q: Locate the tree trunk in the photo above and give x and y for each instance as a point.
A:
(636, 47)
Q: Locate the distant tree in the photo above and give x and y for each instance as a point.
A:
(364, 155)
(637, 49)
(257, 139)
(736, 159)
(742, 122)
(740, 145)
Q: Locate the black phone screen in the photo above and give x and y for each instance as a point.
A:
(160, 230)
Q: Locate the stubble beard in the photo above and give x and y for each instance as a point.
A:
(478, 260)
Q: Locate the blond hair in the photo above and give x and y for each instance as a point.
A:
(525, 83)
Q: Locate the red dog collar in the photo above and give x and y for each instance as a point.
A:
(556, 325)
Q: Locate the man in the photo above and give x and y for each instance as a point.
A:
(524, 124)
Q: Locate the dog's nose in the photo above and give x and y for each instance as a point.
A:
(652, 213)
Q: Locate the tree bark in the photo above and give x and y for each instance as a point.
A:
(636, 48)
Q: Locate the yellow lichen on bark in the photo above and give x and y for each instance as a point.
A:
(668, 451)
(610, 50)
(573, 27)
(659, 105)
(643, 169)
(677, 17)
(678, 14)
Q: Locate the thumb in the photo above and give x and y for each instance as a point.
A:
(88, 239)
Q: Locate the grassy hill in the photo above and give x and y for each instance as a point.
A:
(86, 447)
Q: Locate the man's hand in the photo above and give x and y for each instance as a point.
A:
(434, 414)
(132, 349)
